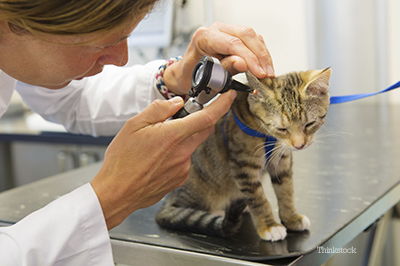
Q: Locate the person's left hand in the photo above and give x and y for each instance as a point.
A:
(238, 48)
(151, 156)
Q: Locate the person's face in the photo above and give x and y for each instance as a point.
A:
(55, 63)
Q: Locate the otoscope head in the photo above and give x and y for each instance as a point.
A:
(209, 76)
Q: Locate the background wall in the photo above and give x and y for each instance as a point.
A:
(394, 47)
(358, 38)
(281, 23)
(286, 40)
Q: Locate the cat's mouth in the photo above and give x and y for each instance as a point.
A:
(303, 147)
(298, 146)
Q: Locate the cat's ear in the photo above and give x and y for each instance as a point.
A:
(318, 81)
(257, 85)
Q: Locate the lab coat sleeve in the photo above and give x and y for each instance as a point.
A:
(98, 105)
(69, 231)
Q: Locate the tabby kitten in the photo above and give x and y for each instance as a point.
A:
(227, 168)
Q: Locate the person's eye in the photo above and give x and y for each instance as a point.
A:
(106, 47)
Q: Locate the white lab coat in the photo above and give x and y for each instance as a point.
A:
(71, 230)
(86, 106)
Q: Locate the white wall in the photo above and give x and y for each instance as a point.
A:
(281, 23)
(370, 63)
(345, 35)
(289, 30)
(394, 47)
(283, 28)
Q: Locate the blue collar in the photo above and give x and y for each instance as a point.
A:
(269, 140)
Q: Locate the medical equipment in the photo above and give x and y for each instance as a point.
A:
(209, 79)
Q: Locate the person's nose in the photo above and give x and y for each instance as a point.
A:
(115, 55)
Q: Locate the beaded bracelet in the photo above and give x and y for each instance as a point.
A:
(160, 81)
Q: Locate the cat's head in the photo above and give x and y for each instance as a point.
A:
(291, 107)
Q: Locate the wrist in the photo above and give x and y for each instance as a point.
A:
(167, 79)
(115, 208)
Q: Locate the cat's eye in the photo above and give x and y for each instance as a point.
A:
(283, 130)
(310, 124)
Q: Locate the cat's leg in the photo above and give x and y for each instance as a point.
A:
(186, 209)
(281, 177)
(259, 206)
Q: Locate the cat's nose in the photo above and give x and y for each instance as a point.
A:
(299, 147)
(298, 140)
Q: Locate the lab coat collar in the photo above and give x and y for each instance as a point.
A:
(7, 86)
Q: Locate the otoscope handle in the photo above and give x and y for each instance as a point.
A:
(190, 106)
(181, 113)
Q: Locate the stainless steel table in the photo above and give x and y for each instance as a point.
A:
(343, 183)
(15, 128)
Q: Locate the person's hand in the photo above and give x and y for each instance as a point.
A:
(150, 156)
(238, 48)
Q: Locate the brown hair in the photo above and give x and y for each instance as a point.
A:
(70, 17)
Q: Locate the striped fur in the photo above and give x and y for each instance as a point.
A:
(227, 177)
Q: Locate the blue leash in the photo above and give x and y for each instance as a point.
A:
(348, 98)
(270, 141)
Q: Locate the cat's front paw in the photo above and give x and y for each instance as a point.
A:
(298, 223)
(273, 233)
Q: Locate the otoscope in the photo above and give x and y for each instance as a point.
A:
(208, 79)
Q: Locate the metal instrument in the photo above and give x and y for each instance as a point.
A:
(209, 79)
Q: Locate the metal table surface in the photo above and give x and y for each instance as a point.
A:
(343, 183)
(15, 128)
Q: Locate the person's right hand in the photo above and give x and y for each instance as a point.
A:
(238, 48)
(150, 156)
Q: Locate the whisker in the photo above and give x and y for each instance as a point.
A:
(320, 142)
(262, 145)
(331, 121)
(273, 155)
(277, 164)
(334, 134)
(316, 145)
(276, 158)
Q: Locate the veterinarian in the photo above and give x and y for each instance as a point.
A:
(52, 52)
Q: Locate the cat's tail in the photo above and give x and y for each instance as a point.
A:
(202, 222)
